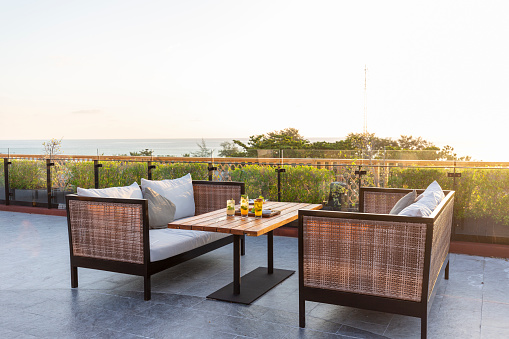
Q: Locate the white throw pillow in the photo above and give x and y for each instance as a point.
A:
(426, 202)
(178, 191)
(125, 192)
(161, 211)
(405, 201)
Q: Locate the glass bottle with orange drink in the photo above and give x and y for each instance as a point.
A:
(244, 205)
(258, 207)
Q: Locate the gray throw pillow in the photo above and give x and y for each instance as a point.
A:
(161, 211)
(402, 203)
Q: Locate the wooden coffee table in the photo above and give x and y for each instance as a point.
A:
(261, 280)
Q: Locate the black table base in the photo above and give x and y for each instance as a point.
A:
(253, 285)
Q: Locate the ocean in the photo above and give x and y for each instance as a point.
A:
(161, 147)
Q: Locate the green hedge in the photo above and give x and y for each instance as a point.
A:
(298, 183)
(27, 174)
(199, 171)
(480, 193)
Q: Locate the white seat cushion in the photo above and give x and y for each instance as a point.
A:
(165, 243)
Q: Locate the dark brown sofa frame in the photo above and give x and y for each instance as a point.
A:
(113, 234)
(373, 260)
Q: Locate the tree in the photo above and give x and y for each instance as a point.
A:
(52, 147)
(204, 150)
(230, 149)
(365, 145)
(288, 138)
(145, 152)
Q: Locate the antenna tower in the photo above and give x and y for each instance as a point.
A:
(365, 129)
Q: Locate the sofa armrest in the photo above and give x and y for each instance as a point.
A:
(212, 195)
(442, 227)
(108, 228)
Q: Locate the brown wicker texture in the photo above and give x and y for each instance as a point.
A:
(380, 202)
(110, 231)
(441, 241)
(364, 256)
(209, 198)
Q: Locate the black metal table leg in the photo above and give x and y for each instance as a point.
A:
(255, 283)
(270, 252)
(236, 264)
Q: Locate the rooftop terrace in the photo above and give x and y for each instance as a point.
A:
(36, 300)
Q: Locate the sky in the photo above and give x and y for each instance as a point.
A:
(231, 69)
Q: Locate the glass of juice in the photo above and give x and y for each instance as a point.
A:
(244, 205)
(230, 207)
(258, 207)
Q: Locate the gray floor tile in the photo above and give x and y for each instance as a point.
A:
(36, 299)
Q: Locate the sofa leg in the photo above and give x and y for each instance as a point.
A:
(302, 312)
(243, 245)
(147, 289)
(424, 327)
(447, 271)
(74, 276)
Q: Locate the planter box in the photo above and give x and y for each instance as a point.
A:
(41, 195)
(24, 195)
(59, 195)
(482, 229)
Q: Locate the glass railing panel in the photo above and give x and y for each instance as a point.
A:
(121, 173)
(259, 179)
(306, 183)
(67, 175)
(482, 205)
(2, 180)
(27, 181)
(174, 170)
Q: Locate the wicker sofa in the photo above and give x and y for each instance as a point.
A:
(113, 234)
(373, 260)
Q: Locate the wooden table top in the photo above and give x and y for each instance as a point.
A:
(217, 221)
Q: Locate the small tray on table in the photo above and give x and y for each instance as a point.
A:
(265, 213)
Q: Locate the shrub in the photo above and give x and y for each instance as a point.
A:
(78, 174)
(199, 171)
(298, 183)
(27, 174)
(121, 173)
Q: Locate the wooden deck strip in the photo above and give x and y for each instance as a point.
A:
(257, 230)
(288, 216)
(217, 221)
(189, 222)
(227, 224)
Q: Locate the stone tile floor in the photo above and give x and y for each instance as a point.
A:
(36, 300)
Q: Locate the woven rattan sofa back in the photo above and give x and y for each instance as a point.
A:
(381, 200)
(113, 229)
(381, 255)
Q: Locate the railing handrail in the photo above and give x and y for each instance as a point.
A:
(274, 161)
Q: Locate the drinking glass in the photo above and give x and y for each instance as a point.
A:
(244, 205)
(230, 207)
(258, 207)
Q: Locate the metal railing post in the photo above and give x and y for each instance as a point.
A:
(360, 173)
(454, 175)
(6, 180)
(96, 173)
(279, 170)
(150, 167)
(211, 169)
(49, 164)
